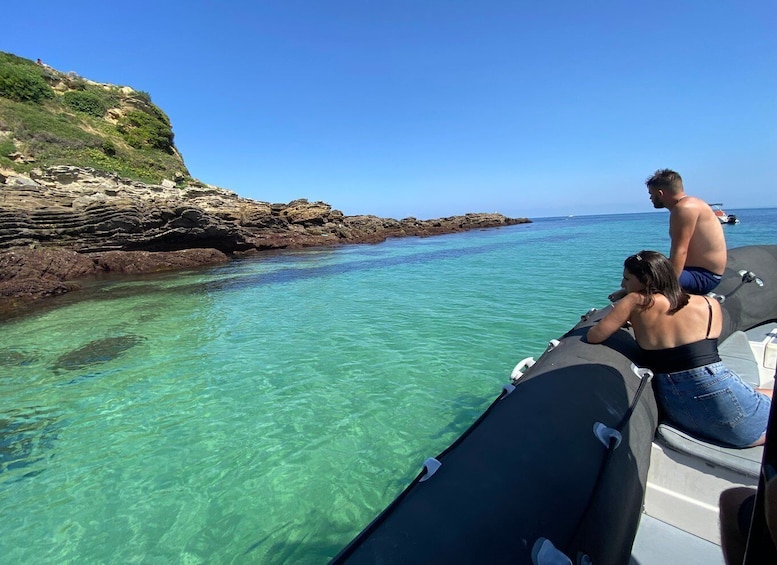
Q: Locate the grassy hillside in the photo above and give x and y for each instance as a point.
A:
(52, 118)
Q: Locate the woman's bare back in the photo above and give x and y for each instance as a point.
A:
(656, 328)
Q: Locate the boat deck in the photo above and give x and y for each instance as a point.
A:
(659, 543)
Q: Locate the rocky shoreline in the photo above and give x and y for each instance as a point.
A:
(63, 224)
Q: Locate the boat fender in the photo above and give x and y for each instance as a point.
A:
(524, 364)
(606, 435)
(750, 276)
(431, 466)
(545, 553)
(591, 312)
(506, 390)
(642, 372)
(518, 370)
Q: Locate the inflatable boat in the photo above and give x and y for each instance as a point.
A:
(571, 464)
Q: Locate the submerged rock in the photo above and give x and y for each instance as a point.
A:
(96, 352)
(28, 274)
(27, 438)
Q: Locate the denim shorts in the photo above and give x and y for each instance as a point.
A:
(713, 403)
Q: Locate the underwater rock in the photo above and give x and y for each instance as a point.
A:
(10, 357)
(95, 352)
(27, 437)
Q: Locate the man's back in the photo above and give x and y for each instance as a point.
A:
(693, 223)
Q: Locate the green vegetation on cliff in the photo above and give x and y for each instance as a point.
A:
(51, 118)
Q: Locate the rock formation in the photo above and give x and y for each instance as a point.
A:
(61, 223)
(61, 219)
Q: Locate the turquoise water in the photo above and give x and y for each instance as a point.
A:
(265, 411)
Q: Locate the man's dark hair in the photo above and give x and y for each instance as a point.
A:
(666, 180)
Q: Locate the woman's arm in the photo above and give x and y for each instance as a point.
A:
(614, 320)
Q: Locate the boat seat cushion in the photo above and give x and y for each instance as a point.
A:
(745, 461)
(737, 355)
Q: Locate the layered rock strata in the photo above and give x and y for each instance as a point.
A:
(63, 223)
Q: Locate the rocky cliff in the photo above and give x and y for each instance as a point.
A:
(50, 118)
(91, 182)
(62, 223)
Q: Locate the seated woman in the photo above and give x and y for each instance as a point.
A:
(678, 334)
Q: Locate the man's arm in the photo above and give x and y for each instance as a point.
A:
(682, 223)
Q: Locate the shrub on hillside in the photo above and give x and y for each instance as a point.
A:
(87, 102)
(143, 95)
(144, 130)
(23, 83)
(109, 148)
(6, 148)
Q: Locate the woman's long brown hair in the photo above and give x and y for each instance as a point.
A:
(657, 274)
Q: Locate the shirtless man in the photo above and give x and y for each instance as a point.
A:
(698, 252)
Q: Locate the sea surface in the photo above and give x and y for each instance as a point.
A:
(266, 410)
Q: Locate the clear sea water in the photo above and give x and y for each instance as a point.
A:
(266, 410)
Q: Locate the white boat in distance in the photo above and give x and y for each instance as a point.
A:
(722, 215)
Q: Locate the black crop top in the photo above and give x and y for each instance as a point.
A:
(684, 357)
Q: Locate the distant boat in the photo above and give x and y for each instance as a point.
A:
(722, 215)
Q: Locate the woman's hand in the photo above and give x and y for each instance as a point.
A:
(617, 295)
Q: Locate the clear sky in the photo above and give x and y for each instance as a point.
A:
(431, 108)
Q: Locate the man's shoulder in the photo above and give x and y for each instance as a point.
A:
(691, 202)
(690, 207)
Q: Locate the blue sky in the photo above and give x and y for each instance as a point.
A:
(431, 108)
